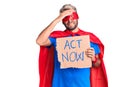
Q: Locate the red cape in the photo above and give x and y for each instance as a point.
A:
(98, 75)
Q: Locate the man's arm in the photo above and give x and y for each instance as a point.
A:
(95, 58)
(97, 61)
(42, 38)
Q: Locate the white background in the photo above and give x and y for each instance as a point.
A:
(22, 20)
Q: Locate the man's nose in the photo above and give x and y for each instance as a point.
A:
(70, 19)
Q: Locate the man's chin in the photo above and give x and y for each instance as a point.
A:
(71, 28)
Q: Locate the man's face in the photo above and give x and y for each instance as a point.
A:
(71, 21)
(71, 24)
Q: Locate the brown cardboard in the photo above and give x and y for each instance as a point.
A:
(71, 51)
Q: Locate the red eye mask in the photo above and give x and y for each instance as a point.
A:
(74, 15)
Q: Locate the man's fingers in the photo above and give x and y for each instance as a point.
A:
(90, 55)
(68, 12)
(90, 52)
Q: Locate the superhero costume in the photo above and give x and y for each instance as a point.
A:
(98, 75)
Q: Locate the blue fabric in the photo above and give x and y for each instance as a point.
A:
(71, 77)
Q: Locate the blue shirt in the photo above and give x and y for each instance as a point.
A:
(71, 77)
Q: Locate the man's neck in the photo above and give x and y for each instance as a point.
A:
(75, 30)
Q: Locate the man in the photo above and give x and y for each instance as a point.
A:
(51, 75)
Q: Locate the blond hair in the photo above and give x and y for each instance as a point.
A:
(67, 7)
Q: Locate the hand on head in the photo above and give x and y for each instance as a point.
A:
(66, 13)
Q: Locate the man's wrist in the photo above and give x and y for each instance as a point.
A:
(95, 60)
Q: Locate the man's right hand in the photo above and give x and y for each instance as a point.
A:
(64, 14)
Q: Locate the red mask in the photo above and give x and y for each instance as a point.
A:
(74, 15)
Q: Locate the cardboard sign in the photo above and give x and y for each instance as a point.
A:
(71, 52)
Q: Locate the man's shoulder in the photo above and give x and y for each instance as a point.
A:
(93, 37)
(86, 32)
(57, 34)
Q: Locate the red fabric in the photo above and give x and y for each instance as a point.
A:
(98, 75)
(73, 16)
